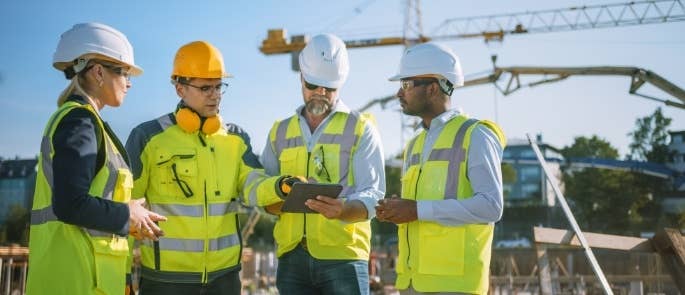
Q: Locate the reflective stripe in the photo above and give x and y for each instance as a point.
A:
(178, 210)
(280, 142)
(165, 121)
(346, 143)
(46, 160)
(413, 158)
(456, 159)
(440, 154)
(220, 209)
(196, 245)
(254, 175)
(223, 242)
(41, 216)
(184, 277)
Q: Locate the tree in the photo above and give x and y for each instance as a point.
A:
(650, 138)
(604, 200)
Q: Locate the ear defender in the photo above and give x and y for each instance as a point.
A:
(190, 121)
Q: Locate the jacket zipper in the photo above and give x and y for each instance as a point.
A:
(416, 187)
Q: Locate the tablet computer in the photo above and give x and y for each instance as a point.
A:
(301, 192)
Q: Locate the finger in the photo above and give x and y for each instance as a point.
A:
(327, 200)
(156, 217)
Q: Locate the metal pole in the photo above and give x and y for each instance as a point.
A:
(571, 219)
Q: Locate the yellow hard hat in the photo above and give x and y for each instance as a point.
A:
(199, 59)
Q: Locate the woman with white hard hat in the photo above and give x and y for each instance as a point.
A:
(82, 210)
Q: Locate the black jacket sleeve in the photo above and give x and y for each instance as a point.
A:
(75, 163)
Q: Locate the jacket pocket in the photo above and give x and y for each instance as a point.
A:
(110, 256)
(176, 173)
(123, 186)
(441, 249)
(333, 232)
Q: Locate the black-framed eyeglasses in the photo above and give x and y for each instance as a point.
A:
(185, 188)
(209, 89)
(311, 86)
(121, 71)
(405, 84)
(320, 164)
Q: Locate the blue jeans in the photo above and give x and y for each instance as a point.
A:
(300, 273)
(228, 284)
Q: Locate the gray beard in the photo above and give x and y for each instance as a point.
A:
(317, 107)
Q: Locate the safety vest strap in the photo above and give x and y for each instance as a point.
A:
(196, 245)
(179, 210)
(183, 277)
(43, 215)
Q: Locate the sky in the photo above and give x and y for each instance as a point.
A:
(265, 88)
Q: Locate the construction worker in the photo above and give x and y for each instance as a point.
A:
(451, 182)
(193, 169)
(326, 142)
(82, 210)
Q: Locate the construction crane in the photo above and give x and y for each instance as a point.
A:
(494, 28)
(638, 77)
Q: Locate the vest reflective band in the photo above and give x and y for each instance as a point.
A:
(67, 259)
(330, 161)
(432, 257)
(197, 185)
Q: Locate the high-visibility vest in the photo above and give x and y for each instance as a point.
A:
(197, 182)
(330, 161)
(65, 258)
(435, 257)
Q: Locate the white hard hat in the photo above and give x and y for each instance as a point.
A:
(324, 61)
(430, 59)
(93, 38)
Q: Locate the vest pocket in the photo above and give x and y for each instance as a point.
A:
(123, 186)
(110, 264)
(175, 174)
(334, 232)
(401, 261)
(441, 249)
(409, 182)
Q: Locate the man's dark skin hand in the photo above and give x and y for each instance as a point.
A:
(396, 210)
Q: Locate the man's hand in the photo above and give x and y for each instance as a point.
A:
(396, 210)
(331, 208)
(142, 221)
(285, 184)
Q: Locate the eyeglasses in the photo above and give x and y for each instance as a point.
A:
(311, 86)
(121, 71)
(409, 83)
(185, 188)
(209, 89)
(320, 164)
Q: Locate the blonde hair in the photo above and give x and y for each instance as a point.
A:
(75, 86)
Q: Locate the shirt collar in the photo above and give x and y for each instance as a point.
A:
(443, 118)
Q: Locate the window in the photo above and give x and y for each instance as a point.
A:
(529, 173)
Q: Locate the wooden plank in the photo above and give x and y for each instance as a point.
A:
(670, 244)
(595, 240)
(544, 271)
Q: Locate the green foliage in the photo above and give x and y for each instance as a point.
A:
(16, 228)
(508, 174)
(593, 147)
(605, 200)
(650, 138)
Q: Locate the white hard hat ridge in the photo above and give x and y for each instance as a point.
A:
(430, 59)
(94, 38)
(324, 61)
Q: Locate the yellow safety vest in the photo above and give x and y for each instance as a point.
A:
(197, 182)
(330, 161)
(68, 259)
(435, 257)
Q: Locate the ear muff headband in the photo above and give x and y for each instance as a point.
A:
(190, 121)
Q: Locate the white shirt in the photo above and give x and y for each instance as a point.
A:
(368, 161)
(483, 171)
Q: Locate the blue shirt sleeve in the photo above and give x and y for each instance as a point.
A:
(75, 164)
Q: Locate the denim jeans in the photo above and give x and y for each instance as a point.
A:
(300, 273)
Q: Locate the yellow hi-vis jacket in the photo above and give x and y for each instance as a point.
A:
(434, 257)
(330, 161)
(197, 181)
(68, 259)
